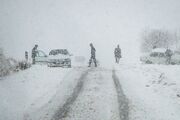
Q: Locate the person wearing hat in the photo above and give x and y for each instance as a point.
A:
(34, 53)
(93, 56)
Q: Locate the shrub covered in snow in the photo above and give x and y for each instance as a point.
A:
(23, 65)
(4, 64)
(8, 65)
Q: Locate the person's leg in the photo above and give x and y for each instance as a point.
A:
(33, 60)
(90, 61)
(116, 59)
(95, 62)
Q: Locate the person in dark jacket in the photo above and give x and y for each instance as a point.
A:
(34, 53)
(168, 54)
(26, 56)
(117, 54)
(93, 56)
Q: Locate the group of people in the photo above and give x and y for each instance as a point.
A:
(117, 55)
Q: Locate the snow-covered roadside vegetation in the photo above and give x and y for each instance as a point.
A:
(5, 66)
(10, 65)
(159, 38)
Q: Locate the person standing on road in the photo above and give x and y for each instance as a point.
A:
(117, 54)
(34, 53)
(26, 56)
(93, 56)
(168, 54)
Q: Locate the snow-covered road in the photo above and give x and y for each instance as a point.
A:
(37, 92)
(99, 99)
(125, 92)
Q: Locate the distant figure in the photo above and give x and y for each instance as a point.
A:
(154, 47)
(117, 54)
(93, 56)
(26, 56)
(168, 54)
(34, 53)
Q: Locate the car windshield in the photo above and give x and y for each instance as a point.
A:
(59, 51)
(40, 54)
(157, 54)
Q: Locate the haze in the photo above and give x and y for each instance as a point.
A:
(73, 24)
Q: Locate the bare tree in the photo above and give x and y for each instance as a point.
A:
(156, 38)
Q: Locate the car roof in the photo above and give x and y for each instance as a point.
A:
(58, 49)
(159, 50)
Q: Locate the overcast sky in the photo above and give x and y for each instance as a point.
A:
(73, 24)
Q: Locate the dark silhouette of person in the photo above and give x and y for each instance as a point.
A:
(117, 54)
(93, 56)
(34, 53)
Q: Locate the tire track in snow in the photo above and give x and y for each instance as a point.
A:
(63, 110)
(122, 100)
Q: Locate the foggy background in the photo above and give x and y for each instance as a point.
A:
(73, 24)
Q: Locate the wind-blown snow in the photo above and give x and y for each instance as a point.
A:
(74, 24)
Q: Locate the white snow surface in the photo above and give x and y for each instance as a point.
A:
(153, 90)
(23, 95)
(159, 50)
(98, 99)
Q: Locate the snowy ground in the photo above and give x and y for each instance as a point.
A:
(153, 91)
(123, 92)
(25, 93)
(98, 99)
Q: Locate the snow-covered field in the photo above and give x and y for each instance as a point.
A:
(82, 93)
(153, 90)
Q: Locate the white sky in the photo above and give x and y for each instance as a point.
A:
(73, 24)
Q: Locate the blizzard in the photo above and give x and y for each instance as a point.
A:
(125, 91)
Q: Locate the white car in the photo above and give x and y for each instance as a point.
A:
(158, 56)
(59, 58)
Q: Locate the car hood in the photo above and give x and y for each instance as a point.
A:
(58, 57)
